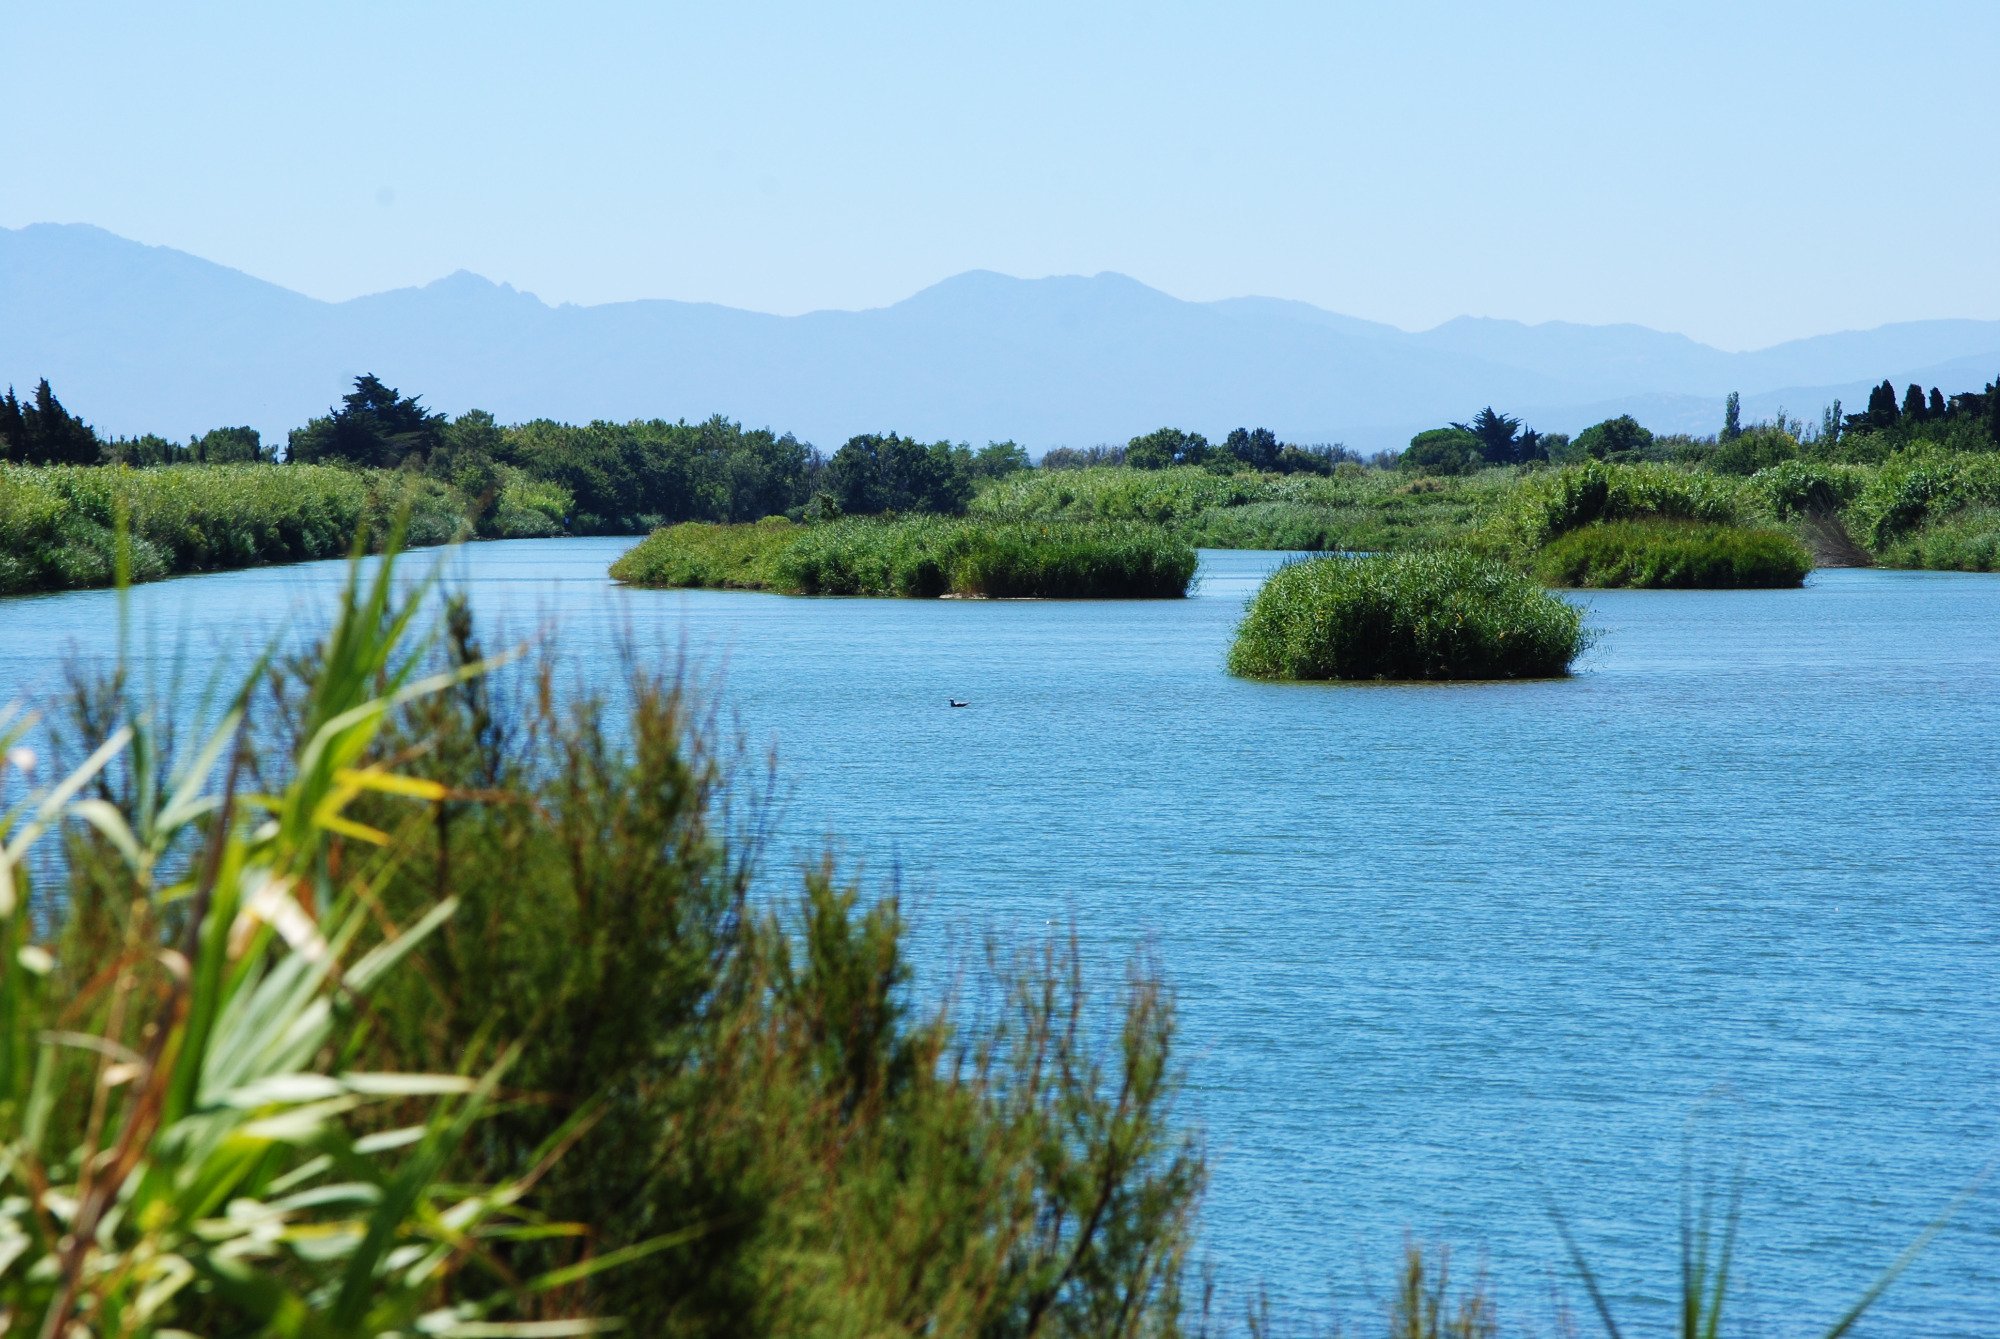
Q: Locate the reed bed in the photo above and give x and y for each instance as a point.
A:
(1662, 555)
(920, 557)
(1438, 615)
(59, 525)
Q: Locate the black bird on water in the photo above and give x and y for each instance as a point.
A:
(956, 703)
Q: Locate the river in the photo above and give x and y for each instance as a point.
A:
(1445, 955)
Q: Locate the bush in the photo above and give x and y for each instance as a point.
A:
(1439, 615)
(919, 556)
(1676, 554)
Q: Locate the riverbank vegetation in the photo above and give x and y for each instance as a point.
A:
(918, 556)
(1443, 615)
(1907, 482)
(59, 525)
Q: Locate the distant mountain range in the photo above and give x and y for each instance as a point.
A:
(140, 338)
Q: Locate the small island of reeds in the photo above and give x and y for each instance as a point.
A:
(926, 556)
(1437, 615)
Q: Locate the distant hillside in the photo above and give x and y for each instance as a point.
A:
(140, 338)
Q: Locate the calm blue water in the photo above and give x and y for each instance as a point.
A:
(1444, 954)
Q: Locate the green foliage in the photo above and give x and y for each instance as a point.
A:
(1798, 488)
(1452, 450)
(626, 478)
(1439, 615)
(375, 426)
(997, 460)
(1752, 449)
(1967, 540)
(1349, 508)
(42, 432)
(876, 473)
(1552, 503)
(1615, 439)
(1164, 448)
(58, 524)
(1673, 554)
(919, 556)
(1914, 487)
(193, 1142)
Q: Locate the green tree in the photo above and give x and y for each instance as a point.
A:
(1256, 447)
(376, 426)
(878, 472)
(1164, 447)
(227, 446)
(1732, 417)
(42, 432)
(1452, 450)
(1500, 440)
(996, 460)
(1615, 439)
(1915, 410)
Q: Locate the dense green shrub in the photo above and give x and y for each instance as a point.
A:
(1673, 554)
(919, 556)
(1439, 615)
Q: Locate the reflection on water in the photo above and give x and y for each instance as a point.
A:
(1443, 953)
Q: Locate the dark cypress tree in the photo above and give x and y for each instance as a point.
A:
(1914, 410)
(1937, 408)
(13, 432)
(54, 435)
(1882, 406)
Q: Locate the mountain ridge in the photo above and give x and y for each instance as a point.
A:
(146, 338)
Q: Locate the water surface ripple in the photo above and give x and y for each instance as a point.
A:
(1444, 954)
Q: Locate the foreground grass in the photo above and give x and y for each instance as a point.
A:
(921, 556)
(1444, 615)
(59, 524)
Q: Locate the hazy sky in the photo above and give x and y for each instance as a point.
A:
(1742, 172)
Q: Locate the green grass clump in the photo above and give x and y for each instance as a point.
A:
(919, 556)
(1657, 554)
(59, 524)
(1438, 615)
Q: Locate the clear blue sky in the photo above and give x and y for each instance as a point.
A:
(1741, 172)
